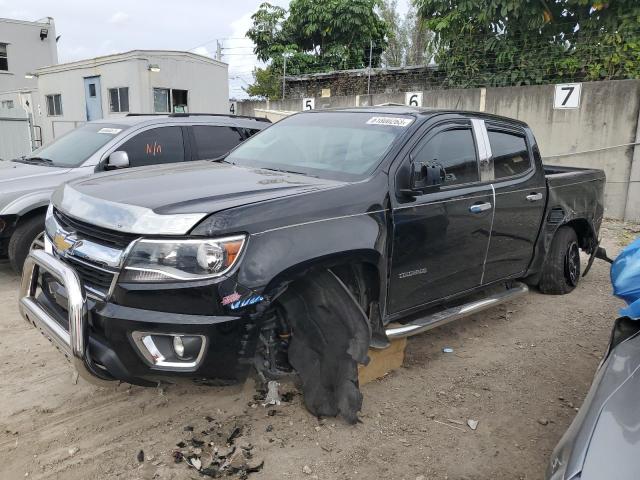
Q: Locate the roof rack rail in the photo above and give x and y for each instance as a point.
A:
(180, 115)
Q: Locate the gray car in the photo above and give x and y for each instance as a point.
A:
(604, 439)
(26, 183)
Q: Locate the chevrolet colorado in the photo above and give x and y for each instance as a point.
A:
(326, 234)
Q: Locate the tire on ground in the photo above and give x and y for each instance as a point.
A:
(21, 240)
(558, 276)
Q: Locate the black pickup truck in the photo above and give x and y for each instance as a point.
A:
(326, 234)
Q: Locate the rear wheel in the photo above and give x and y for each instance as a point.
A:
(29, 235)
(561, 271)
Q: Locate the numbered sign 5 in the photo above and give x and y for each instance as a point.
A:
(233, 107)
(567, 95)
(413, 99)
(308, 103)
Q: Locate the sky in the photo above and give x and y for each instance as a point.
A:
(90, 29)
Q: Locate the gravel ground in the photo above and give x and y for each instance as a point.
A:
(521, 370)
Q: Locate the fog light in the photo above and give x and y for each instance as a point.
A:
(178, 346)
(165, 351)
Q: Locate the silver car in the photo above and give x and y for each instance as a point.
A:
(26, 183)
(604, 439)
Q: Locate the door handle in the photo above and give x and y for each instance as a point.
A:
(534, 197)
(480, 207)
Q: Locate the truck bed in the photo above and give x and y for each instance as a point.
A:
(558, 176)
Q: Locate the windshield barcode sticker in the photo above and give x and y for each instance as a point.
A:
(393, 121)
(110, 131)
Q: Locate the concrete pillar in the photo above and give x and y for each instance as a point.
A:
(632, 209)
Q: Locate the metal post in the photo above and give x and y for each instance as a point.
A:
(284, 74)
(370, 55)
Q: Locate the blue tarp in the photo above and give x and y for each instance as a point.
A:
(625, 278)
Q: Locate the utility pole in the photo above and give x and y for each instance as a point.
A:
(218, 51)
(285, 55)
(370, 55)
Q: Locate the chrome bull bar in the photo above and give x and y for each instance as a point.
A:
(73, 343)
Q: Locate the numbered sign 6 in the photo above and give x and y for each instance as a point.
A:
(308, 103)
(567, 95)
(233, 107)
(413, 99)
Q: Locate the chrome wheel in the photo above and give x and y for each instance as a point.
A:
(572, 264)
(38, 242)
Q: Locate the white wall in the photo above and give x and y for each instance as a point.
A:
(206, 81)
(25, 51)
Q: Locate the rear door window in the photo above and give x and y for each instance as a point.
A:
(213, 142)
(455, 151)
(157, 145)
(510, 153)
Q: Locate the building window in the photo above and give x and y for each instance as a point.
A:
(54, 105)
(4, 64)
(7, 104)
(119, 99)
(179, 101)
(92, 90)
(161, 100)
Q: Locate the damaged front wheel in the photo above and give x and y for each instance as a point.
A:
(329, 337)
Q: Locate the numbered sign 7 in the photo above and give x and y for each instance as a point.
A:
(567, 95)
(413, 99)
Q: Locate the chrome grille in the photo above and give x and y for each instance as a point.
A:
(87, 231)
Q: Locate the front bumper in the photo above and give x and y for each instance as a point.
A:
(97, 337)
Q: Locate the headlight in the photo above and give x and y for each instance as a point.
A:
(182, 260)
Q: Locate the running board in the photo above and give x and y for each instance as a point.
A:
(450, 314)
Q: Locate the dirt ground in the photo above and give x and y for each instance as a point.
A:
(521, 370)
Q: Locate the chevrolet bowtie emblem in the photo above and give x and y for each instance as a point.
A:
(61, 242)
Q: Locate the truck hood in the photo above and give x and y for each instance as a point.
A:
(172, 199)
(13, 175)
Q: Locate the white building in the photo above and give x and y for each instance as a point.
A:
(24, 47)
(139, 81)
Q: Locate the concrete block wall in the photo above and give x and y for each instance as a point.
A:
(598, 134)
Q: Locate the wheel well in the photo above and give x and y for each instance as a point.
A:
(30, 214)
(586, 236)
(358, 272)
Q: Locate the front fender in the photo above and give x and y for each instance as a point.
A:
(26, 203)
(275, 255)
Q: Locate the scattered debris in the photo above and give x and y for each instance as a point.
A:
(273, 396)
(447, 350)
(140, 456)
(307, 470)
(457, 422)
(224, 454)
(188, 428)
(194, 462)
(473, 424)
(269, 428)
(73, 451)
(449, 425)
(543, 421)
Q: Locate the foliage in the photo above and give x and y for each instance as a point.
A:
(515, 42)
(316, 36)
(267, 84)
(397, 39)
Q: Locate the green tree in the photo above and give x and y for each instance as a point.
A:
(514, 42)
(317, 36)
(397, 38)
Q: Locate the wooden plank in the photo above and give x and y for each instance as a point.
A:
(382, 361)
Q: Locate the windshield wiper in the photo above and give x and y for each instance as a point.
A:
(288, 171)
(34, 160)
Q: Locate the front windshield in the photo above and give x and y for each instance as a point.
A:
(336, 145)
(72, 149)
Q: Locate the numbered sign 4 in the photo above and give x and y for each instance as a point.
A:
(233, 108)
(308, 103)
(567, 95)
(413, 99)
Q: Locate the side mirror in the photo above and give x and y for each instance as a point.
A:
(425, 175)
(118, 159)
